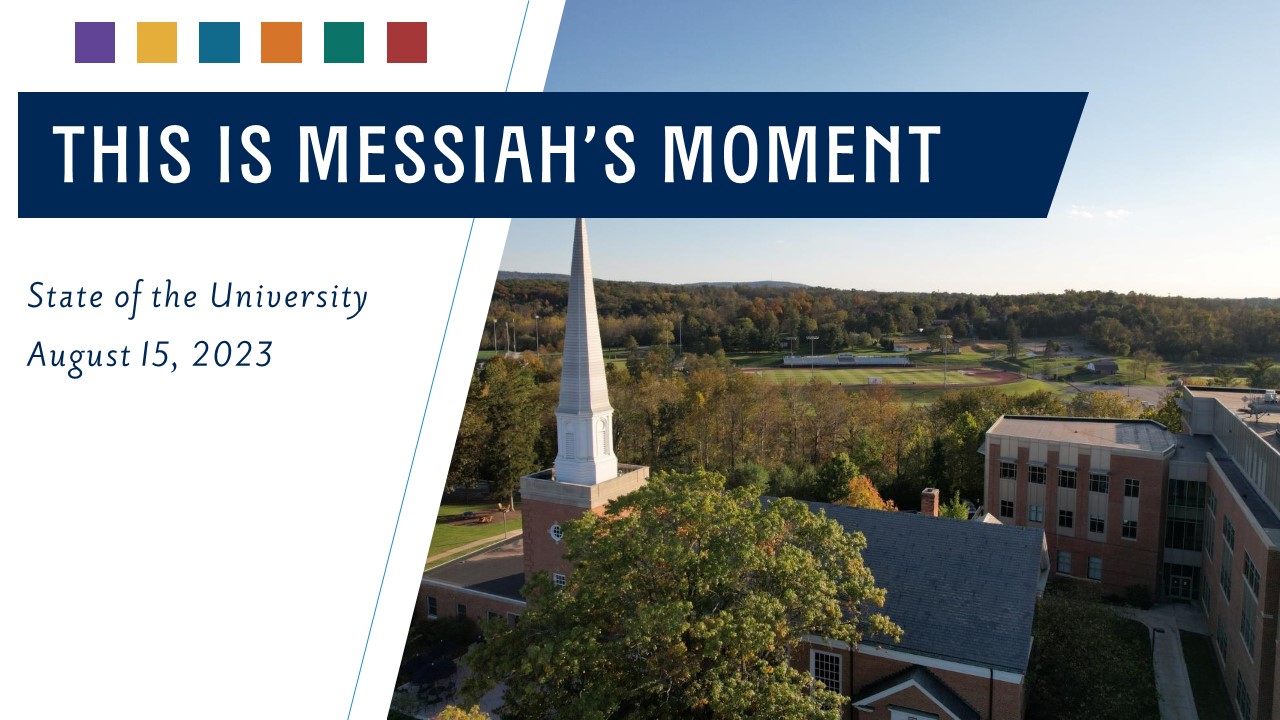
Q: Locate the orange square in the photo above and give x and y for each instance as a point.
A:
(281, 42)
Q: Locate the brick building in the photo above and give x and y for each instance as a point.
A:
(1190, 516)
(964, 593)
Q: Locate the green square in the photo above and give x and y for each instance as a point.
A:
(344, 42)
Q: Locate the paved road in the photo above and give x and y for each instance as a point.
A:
(1146, 393)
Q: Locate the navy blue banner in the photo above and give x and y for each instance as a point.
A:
(506, 155)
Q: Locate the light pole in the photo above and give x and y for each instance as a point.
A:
(791, 343)
(946, 341)
(537, 339)
(506, 333)
(811, 338)
(495, 336)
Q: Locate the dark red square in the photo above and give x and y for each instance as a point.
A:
(406, 42)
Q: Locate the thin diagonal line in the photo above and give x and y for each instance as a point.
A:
(422, 423)
(414, 457)
(517, 52)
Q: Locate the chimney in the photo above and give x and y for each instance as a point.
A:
(929, 502)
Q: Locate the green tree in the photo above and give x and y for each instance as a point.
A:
(1013, 339)
(1224, 376)
(686, 601)
(832, 483)
(1166, 413)
(1258, 371)
(1146, 360)
(513, 418)
(954, 508)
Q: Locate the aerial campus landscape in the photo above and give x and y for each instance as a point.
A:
(767, 499)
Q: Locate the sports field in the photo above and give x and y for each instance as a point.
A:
(890, 376)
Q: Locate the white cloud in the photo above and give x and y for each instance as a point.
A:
(1090, 212)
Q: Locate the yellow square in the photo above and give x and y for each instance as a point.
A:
(157, 42)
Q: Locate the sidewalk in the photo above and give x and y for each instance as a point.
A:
(1172, 682)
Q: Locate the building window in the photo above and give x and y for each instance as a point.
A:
(1211, 500)
(1242, 697)
(559, 580)
(1008, 470)
(1228, 532)
(825, 668)
(1205, 595)
(462, 611)
(1006, 508)
(513, 619)
(1131, 487)
(493, 615)
(1066, 519)
(1035, 513)
(431, 607)
(1099, 483)
(1097, 525)
(1036, 474)
(1222, 639)
(1129, 529)
(1064, 562)
(1208, 534)
(1186, 493)
(1224, 573)
(557, 532)
(1182, 534)
(1095, 568)
(1251, 576)
(1066, 478)
(1248, 632)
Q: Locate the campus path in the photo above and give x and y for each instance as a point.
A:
(473, 545)
(1172, 682)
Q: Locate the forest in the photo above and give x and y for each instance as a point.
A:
(705, 413)
(703, 319)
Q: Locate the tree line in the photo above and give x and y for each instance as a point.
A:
(706, 318)
(788, 439)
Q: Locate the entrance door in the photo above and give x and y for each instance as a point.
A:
(1183, 581)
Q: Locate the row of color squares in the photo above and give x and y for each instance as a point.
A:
(281, 42)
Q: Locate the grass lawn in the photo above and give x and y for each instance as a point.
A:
(447, 537)
(1212, 702)
(890, 376)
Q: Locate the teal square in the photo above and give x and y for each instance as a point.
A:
(219, 42)
(344, 42)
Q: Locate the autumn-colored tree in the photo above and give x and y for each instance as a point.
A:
(452, 712)
(863, 494)
(687, 600)
(1105, 404)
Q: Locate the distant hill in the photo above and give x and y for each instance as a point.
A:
(561, 277)
(755, 284)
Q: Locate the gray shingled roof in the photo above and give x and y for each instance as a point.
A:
(963, 591)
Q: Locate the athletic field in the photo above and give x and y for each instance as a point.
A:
(891, 376)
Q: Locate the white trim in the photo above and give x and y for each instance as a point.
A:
(469, 591)
(899, 687)
(922, 660)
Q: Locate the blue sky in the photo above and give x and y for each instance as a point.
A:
(1172, 185)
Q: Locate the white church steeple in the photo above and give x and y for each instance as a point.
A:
(584, 418)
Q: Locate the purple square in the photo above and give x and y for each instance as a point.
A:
(95, 42)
